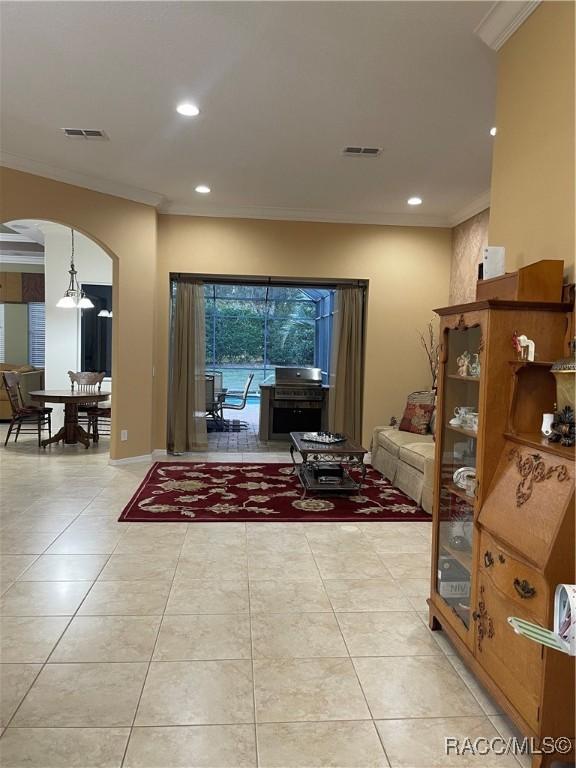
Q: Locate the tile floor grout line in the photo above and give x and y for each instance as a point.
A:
(357, 677)
(248, 587)
(151, 657)
(43, 666)
(264, 722)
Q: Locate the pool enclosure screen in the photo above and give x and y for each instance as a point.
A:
(254, 328)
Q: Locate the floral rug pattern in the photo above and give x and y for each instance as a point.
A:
(213, 492)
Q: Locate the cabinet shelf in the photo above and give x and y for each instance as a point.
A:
(462, 431)
(460, 492)
(457, 377)
(520, 363)
(463, 557)
(539, 442)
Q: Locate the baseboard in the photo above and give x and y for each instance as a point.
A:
(130, 460)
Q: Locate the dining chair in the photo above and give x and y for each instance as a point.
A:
(90, 382)
(100, 419)
(37, 417)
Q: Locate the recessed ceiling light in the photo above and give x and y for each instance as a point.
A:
(187, 109)
(493, 131)
(414, 201)
(202, 189)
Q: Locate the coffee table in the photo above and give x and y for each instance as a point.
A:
(346, 454)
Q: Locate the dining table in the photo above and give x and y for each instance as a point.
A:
(72, 432)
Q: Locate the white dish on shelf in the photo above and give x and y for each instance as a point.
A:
(462, 475)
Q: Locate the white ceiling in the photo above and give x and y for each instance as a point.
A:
(282, 88)
(21, 243)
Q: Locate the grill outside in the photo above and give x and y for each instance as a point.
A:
(298, 377)
(296, 401)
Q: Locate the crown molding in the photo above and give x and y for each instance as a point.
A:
(502, 20)
(14, 257)
(311, 215)
(164, 207)
(107, 187)
(475, 206)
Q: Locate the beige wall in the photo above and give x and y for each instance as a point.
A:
(127, 232)
(532, 196)
(408, 270)
(468, 242)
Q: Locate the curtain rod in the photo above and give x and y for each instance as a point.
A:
(266, 281)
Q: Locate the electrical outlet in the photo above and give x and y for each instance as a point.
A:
(124, 435)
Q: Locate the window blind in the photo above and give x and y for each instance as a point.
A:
(36, 333)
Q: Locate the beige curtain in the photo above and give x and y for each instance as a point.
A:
(346, 364)
(187, 385)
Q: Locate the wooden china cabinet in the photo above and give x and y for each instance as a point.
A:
(504, 534)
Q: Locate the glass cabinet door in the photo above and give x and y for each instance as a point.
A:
(461, 392)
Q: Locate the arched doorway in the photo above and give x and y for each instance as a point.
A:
(45, 341)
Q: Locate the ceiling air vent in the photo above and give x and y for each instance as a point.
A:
(362, 151)
(86, 133)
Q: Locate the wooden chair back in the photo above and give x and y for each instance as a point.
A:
(12, 385)
(84, 381)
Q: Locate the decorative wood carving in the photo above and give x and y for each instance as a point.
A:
(532, 469)
(485, 625)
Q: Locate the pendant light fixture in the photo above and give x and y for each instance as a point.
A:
(74, 297)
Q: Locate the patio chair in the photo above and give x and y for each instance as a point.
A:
(35, 416)
(213, 402)
(241, 396)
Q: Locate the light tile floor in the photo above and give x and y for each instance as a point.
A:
(218, 645)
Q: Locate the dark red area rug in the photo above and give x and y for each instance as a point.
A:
(220, 492)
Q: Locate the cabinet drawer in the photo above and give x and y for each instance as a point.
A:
(512, 661)
(519, 582)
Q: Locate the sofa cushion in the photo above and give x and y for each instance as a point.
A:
(416, 454)
(392, 440)
(410, 481)
(429, 474)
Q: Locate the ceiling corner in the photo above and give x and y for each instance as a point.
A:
(477, 205)
(502, 20)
